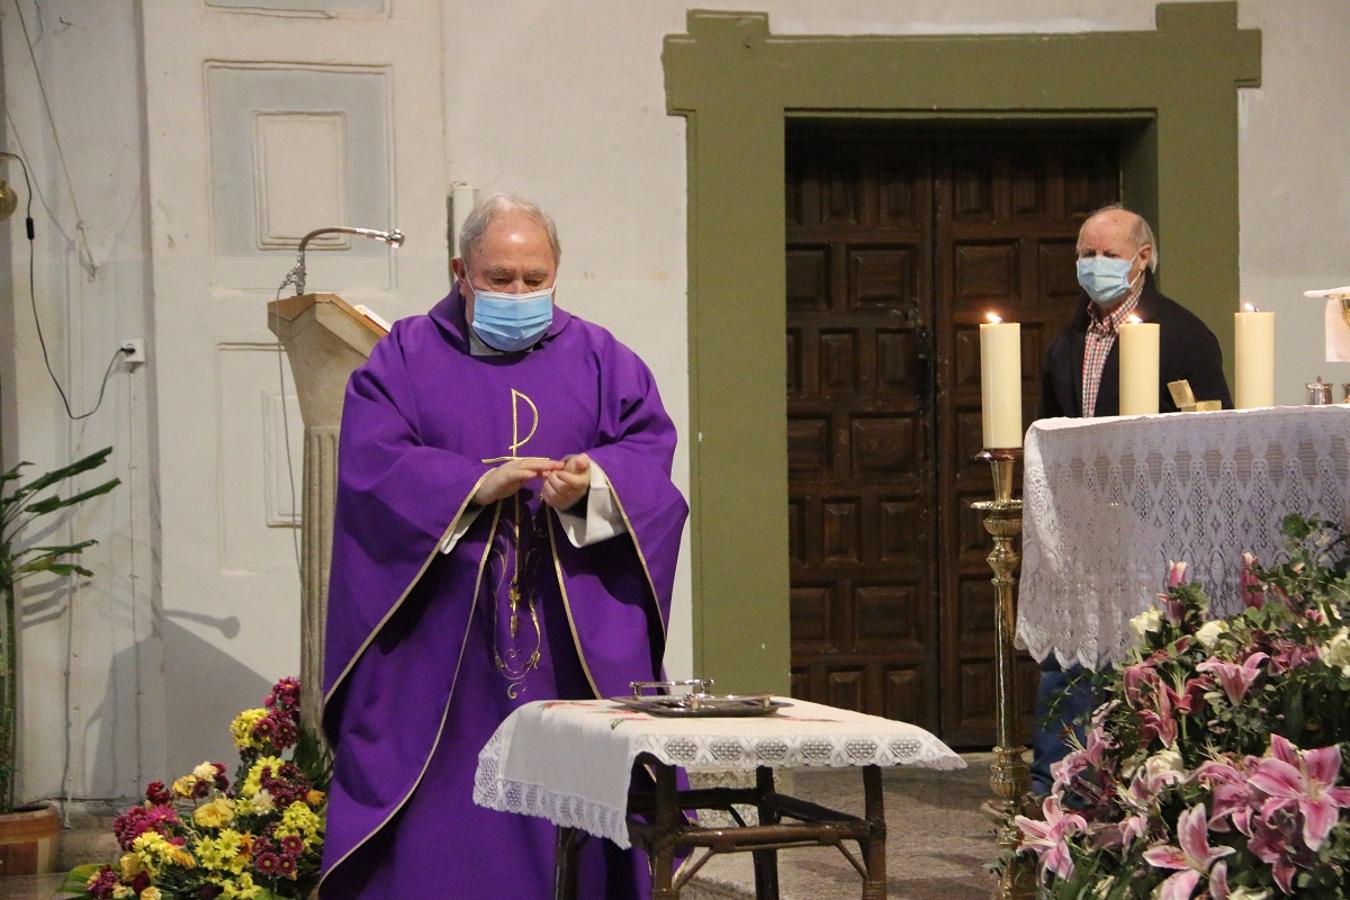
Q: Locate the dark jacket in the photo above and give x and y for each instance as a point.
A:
(1188, 349)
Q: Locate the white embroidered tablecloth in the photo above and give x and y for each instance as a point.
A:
(569, 761)
(1107, 502)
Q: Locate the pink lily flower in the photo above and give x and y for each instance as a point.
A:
(1049, 839)
(1269, 844)
(1218, 881)
(1158, 722)
(1253, 591)
(1172, 608)
(1087, 757)
(1236, 679)
(1138, 677)
(1192, 859)
(1176, 573)
(1289, 655)
(1306, 779)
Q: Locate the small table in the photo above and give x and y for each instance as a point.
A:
(582, 783)
(1107, 502)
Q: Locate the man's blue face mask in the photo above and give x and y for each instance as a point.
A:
(512, 322)
(1105, 279)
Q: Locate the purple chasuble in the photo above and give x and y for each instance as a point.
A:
(426, 653)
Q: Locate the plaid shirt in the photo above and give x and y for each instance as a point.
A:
(1101, 337)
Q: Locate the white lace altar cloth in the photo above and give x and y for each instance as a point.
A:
(568, 761)
(1107, 502)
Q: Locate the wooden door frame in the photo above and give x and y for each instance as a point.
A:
(1173, 89)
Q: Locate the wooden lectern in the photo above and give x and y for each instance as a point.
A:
(325, 339)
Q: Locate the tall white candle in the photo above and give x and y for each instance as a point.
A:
(1001, 383)
(1254, 359)
(1139, 367)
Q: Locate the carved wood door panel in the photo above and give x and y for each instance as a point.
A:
(897, 245)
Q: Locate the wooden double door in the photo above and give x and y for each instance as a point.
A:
(897, 246)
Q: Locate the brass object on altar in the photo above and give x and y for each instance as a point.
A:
(1184, 398)
(1319, 392)
(1010, 777)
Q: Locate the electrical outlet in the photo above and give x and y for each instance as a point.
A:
(133, 351)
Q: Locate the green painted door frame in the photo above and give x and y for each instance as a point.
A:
(1172, 93)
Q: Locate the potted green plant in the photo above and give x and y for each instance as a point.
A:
(28, 833)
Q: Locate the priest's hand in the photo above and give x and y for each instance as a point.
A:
(565, 487)
(511, 476)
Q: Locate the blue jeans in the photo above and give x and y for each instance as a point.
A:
(1049, 742)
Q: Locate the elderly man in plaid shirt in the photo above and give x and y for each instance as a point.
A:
(1080, 376)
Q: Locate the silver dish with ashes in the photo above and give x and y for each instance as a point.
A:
(697, 701)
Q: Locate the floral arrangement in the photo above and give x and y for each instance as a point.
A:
(203, 837)
(1216, 767)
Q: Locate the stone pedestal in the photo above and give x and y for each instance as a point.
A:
(325, 339)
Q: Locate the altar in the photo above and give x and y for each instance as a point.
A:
(569, 761)
(1108, 502)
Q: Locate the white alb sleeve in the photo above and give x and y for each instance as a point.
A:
(602, 520)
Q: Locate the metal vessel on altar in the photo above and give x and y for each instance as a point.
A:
(697, 701)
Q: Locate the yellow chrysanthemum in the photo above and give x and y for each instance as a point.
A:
(299, 819)
(241, 729)
(131, 866)
(151, 893)
(242, 888)
(253, 781)
(216, 814)
(208, 853)
(223, 853)
(183, 786)
(154, 851)
(205, 771)
(315, 798)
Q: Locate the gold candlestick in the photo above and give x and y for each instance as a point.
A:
(1011, 776)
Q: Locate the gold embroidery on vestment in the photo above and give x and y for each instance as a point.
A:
(508, 661)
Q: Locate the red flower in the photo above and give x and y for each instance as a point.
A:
(157, 793)
(103, 883)
(292, 845)
(268, 863)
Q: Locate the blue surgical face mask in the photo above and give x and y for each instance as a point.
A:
(1104, 279)
(512, 322)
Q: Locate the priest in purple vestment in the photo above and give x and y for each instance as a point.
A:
(506, 531)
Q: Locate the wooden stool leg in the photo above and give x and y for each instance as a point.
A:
(766, 861)
(666, 819)
(874, 847)
(565, 863)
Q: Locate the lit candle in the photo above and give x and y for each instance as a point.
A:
(1254, 358)
(1001, 383)
(1139, 367)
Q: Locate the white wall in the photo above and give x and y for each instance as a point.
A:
(93, 714)
(577, 121)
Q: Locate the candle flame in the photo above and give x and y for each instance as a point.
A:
(1133, 319)
(1247, 307)
(993, 318)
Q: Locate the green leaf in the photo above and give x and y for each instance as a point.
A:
(59, 548)
(92, 461)
(56, 568)
(44, 562)
(54, 502)
(76, 881)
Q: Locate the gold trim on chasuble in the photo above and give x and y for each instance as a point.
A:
(445, 712)
(642, 557)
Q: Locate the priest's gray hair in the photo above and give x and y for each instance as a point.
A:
(1140, 232)
(476, 225)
